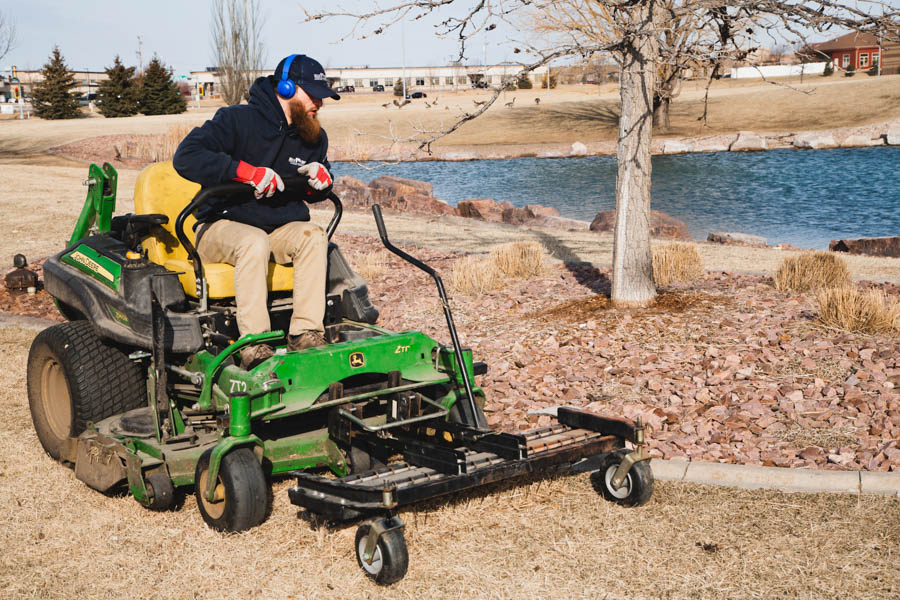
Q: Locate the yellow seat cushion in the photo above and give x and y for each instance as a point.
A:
(220, 278)
(161, 190)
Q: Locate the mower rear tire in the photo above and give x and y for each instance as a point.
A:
(161, 492)
(75, 378)
(391, 559)
(637, 487)
(241, 494)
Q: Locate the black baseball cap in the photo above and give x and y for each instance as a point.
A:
(308, 74)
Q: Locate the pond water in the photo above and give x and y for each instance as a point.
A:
(805, 198)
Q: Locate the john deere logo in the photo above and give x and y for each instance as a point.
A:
(91, 264)
(357, 360)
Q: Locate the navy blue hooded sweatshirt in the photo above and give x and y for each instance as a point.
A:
(256, 133)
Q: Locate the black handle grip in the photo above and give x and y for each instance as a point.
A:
(379, 222)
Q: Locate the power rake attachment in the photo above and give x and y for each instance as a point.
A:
(441, 456)
(142, 389)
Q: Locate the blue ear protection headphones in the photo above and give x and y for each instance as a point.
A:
(287, 88)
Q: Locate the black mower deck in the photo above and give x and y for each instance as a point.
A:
(577, 435)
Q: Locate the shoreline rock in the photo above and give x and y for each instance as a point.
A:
(876, 246)
(736, 239)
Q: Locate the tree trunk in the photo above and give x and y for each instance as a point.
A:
(632, 275)
(661, 113)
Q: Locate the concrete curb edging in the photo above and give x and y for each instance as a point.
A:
(777, 478)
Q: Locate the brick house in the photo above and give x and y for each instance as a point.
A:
(859, 51)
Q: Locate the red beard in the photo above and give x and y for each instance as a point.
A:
(308, 127)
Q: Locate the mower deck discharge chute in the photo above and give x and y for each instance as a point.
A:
(142, 387)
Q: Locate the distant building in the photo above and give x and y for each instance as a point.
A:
(86, 82)
(853, 51)
(431, 79)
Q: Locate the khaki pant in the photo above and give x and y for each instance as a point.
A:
(248, 249)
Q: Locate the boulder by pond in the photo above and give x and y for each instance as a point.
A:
(814, 140)
(736, 239)
(748, 141)
(880, 246)
(392, 193)
(484, 209)
(661, 224)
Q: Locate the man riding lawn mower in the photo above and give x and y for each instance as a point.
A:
(192, 361)
(141, 388)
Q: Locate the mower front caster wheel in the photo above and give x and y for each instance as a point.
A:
(391, 558)
(637, 487)
(160, 492)
(241, 498)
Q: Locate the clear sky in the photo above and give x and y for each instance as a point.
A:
(91, 33)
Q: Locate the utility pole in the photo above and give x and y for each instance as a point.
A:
(403, 52)
(140, 56)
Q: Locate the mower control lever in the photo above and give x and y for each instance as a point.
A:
(238, 189)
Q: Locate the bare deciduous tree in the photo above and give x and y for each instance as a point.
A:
(237, 46)
(639, 27)
(7, 35)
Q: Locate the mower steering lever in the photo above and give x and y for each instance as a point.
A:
(235, 189)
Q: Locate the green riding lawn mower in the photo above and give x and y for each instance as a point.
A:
(141, 388)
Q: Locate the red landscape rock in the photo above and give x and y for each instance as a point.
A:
(399, 186)
(485, 209)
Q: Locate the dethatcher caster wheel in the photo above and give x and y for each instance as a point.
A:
(381, 550)
(634, 491)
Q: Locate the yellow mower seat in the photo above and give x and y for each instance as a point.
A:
(160, 190)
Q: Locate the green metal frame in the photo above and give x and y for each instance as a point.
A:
(100, 202)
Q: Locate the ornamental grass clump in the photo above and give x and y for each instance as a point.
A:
(153, 147)
(676, 262)
(371, 264)
(520, 259)
(474, 275)
(811, 271)
(849, 309)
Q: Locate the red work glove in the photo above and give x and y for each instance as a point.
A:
(263, 179)
(319, 177)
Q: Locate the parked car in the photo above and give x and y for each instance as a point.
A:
(85, 99)
(343, 89)
(418, 95)
(479, 84)
(378, 88)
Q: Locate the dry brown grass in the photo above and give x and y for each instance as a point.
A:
(520, 259)
(850, 309)
(371, 264)
(550, 539)
(475, 275)
(811, 271)
(676, 262)
(513, 260)
(155, 148)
